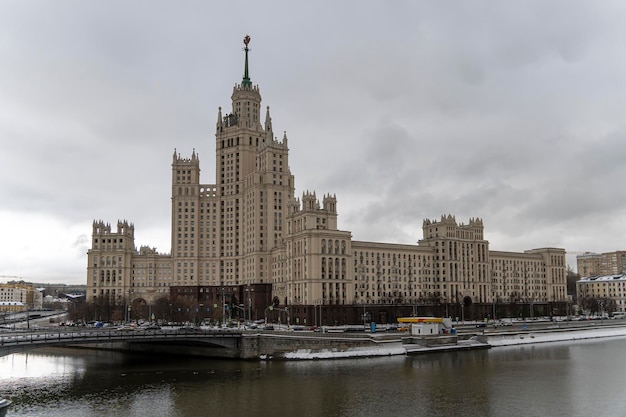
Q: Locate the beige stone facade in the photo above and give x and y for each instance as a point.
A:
(537, 275)
(18, 296)
(595, 264)
(604, 287)
(249, 228)
(391, 273)
(460, 259)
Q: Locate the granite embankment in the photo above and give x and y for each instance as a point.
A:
(300, 346)
(557, 334)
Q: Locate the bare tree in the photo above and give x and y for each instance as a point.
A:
(598, 305)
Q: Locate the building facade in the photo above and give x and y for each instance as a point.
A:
(19, 296)
(603, 289)
(596, 264)
(250, 229)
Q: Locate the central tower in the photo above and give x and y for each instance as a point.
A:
(253, 183)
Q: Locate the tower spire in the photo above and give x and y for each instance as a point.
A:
(246, 78)
(220, 123)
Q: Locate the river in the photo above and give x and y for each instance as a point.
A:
(582, 378)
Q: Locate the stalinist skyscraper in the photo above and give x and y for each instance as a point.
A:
(250, 229)
(224, 233)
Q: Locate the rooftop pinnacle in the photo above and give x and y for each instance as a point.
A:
(246, 78)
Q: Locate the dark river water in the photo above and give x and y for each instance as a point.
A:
(584, 378)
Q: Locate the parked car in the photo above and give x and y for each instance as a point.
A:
(188, 329)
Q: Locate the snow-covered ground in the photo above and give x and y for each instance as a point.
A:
(555, 336)
(393, 349)
(495, 340)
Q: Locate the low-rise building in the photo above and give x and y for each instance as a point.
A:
(603, 288)
(12, 306)
(21, 292)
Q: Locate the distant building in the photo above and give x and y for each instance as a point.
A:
(61, 290)
(22, 293)
(250, 229)
(12, 306)
(594, 264)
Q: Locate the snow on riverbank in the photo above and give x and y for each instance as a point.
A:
(490, 340)
(393, 349)
(557, 335)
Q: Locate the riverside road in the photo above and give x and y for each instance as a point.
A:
(228, 342)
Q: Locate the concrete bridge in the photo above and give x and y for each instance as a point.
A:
(215, 343)
(225, 343)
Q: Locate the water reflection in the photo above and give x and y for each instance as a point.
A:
(565, 379)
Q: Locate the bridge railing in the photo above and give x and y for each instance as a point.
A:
(43, 337)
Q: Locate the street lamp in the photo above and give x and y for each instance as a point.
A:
(249, 304)
(493, 294)
(321, 303)
(462, 312)
(317, 303)
(286, 310)
(223, 306)
(364, 313)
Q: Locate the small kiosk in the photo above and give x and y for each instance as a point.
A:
(428, 326)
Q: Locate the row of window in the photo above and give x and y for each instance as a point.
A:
(334, 246)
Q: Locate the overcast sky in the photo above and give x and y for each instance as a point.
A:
(513, 112)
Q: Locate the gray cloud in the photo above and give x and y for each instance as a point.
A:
(511, 112)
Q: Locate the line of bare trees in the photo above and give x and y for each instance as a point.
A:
(598, 305)
(174, 309)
